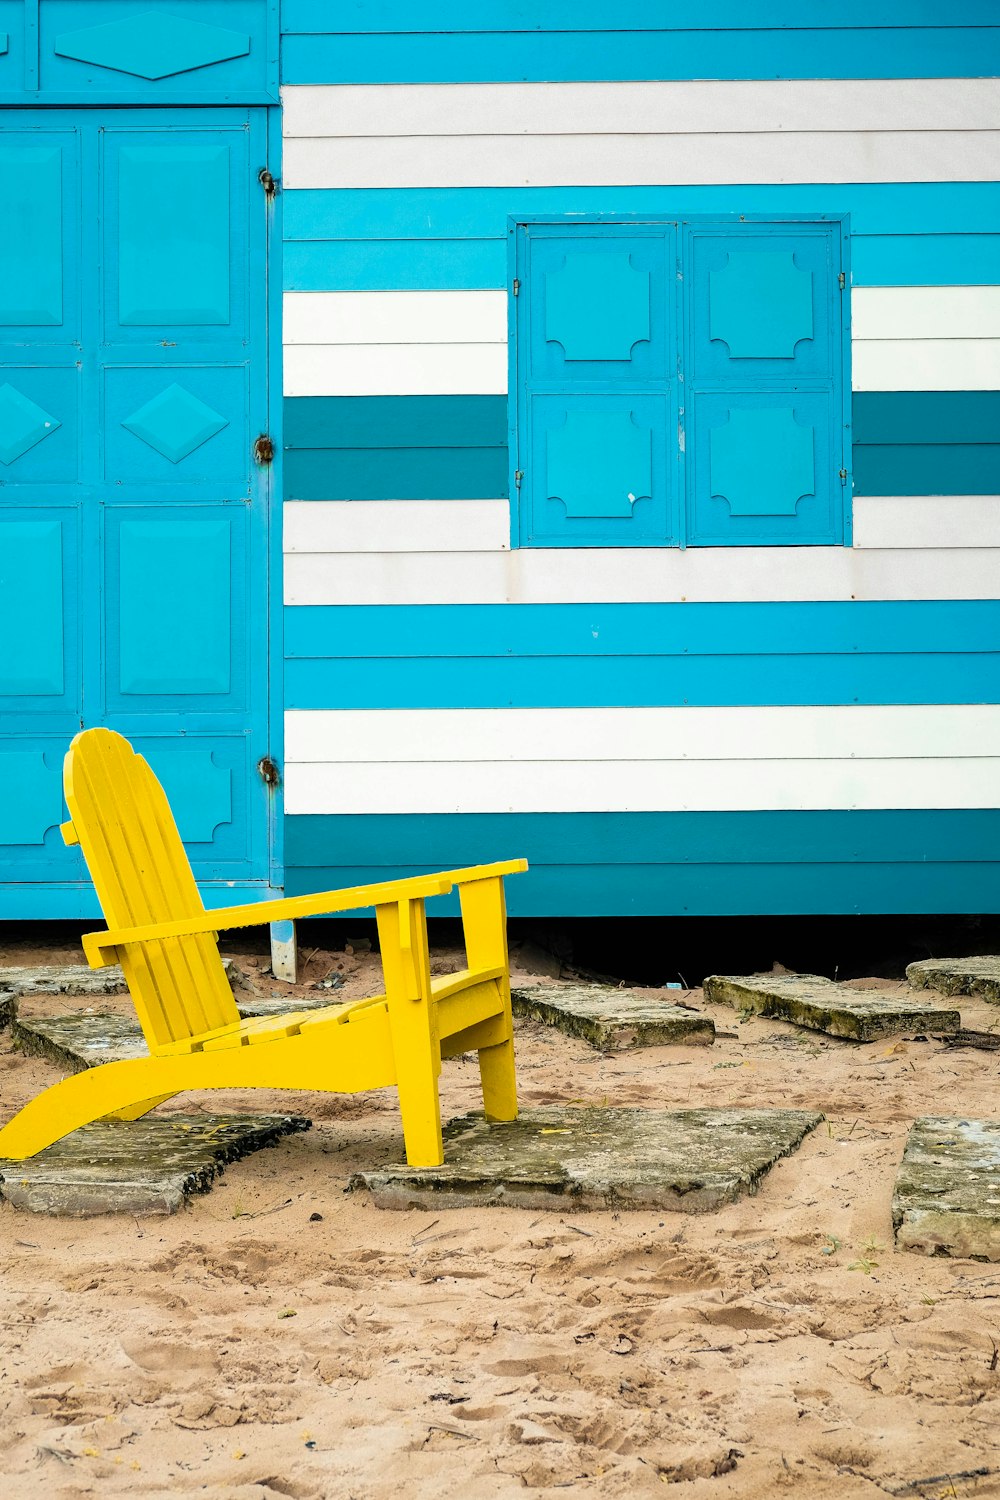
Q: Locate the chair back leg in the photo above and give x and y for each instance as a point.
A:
(406, 969)
(484, 918)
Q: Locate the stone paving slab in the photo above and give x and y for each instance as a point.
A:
(947, 1196)
(80, 979)
(86, 1040)
(612, 1019)
(958, 976)
(815, 1002)
(691, 1161)
(149, 1166)
(8, 1010)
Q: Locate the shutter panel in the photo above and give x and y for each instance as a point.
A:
(597, 386)
(764, 360)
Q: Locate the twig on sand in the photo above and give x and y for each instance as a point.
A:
(985, 1041)
(913, 1485)
(262, 1213)
(45, 1450)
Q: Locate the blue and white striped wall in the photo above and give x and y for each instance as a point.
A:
(713, 730)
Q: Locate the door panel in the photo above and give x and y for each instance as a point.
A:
(765, 413)
(597, 387)
(133, 522)
(177, 597)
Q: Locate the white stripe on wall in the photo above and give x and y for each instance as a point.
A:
(641, 108)
(396, 370)
(635, 160)
(925, 365)
(395, 318)
(927, 521)
(641, 786)
(925, 312)
(455, 343)
(464, 735)
(332, 526)
(643, 575)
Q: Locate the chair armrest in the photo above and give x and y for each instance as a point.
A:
(98, 946)
(485, 872)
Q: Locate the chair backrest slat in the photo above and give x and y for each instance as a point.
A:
(142, 875)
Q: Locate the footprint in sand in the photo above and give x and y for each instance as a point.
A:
(164, 1357)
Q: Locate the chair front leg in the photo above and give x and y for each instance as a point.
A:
(484, 920)
(402, 934)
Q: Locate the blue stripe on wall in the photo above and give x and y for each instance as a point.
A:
(643, 630)
(396, 474)
(480, 213)
(395, 422)
(641, 682)
(453, 447)
(927, 469)
(355, 16)
(432, 840)
(903, 417)
(481, 264)
(502, 56)
(653, 864)
(926, 442)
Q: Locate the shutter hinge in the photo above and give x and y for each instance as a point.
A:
(263, 449)
(518, 476)
(843, 476)
(842, 280)
(517, 287)
(267, 182)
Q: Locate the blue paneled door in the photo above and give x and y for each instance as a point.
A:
(133, 518)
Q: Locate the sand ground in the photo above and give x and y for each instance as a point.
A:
(283, 1338)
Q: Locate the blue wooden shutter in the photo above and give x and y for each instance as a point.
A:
(597, 388)
(763, 363)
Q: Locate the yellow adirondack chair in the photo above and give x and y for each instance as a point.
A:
(166, 942)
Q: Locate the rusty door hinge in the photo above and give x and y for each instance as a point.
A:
(268, 771)
(267, 182)
(516, 287)
(263, 449)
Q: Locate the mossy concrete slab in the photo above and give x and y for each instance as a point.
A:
(146, 1166)
(87, 1039)
(79, 979)
(80, 1041)
(812, 1001)
(8, 1009)
(612, 1019)
(279, 1005)
(947, 1196)
(958, 976)
(691, 1160)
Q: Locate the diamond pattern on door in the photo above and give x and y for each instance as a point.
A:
(23, 423)
(152, 45)
(175, 423)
